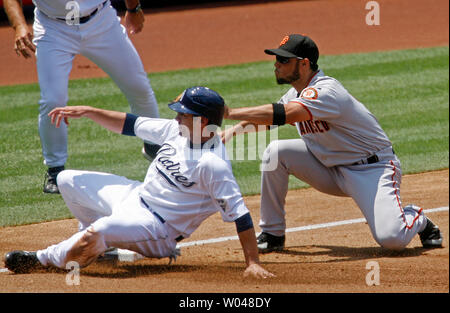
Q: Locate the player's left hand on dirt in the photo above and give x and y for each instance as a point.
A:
(256, 271)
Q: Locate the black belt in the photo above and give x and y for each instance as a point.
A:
(370, 160)
(179, 238)
(86, 18)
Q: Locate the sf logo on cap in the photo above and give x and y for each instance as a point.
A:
(285, 39)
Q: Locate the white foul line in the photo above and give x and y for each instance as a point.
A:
(289, 230)
(295, 229)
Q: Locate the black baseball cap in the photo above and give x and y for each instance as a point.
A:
(296, 45)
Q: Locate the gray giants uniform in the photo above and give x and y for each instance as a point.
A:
(343, 151)
(103, 40)
(149, 217)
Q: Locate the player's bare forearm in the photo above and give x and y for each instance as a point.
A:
(130, 4)
(23, 44)
(258, 115)
(134, 21)
(243, 127)
(264, 114)
(248, 243)
(111, 120)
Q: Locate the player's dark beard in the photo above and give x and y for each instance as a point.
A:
(291, 78)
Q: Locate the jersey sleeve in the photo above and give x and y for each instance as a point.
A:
(224, 190)
(321, 103)
(290, 94)
(156, 130)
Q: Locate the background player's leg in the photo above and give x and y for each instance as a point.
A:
(55, 51)
(53, 82)
(107, 45)
(293, 158)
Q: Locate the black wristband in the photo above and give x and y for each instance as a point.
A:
(244, 222)
(128, 125)
(136, 9)
(279, 114)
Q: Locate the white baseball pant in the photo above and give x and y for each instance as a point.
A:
(109, 207)
(374, 187)
(104, 41)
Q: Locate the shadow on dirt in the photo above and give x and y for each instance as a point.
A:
(345, 254)
(109, 270)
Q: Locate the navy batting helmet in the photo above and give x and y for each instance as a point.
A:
(200, 101)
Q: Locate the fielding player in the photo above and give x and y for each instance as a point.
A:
(343, 151)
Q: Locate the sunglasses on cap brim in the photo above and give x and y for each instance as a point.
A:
(284, 60)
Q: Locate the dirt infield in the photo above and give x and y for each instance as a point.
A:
(331, 259)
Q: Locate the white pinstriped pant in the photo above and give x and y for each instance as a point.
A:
(111, 205)
(374, 187)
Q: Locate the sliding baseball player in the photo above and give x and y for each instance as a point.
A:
(189, 180)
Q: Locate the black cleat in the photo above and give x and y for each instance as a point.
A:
(21, 262)
(431, 236)
(50, 185)
(150, 150)
(268, 243)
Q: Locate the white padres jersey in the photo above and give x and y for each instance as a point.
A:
(58, 9)
(341, 130)
(186, 190)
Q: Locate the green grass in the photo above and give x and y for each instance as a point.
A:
(407, 90)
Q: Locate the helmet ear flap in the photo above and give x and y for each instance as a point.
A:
(205, 120)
